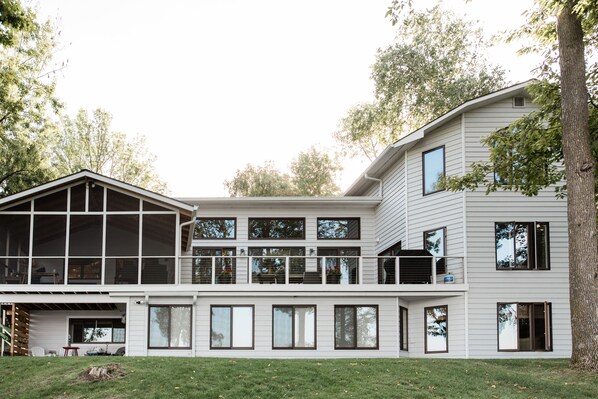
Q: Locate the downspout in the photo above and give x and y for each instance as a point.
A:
(193, 218)
(380, 192)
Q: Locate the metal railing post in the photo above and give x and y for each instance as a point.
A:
(360, 270)
(397, 270)
(324, 270)
(213, 270)
(287, 264)
(249, 270)
(434, 270)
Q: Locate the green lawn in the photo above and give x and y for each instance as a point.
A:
(243, 378)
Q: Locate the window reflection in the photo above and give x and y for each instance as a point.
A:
(356, 327)
(294, 327)
(231, 327)
(346, 228)
(170, 326)
(277, 229)
(436, 329)
(522, 245)
(433, 165)
(215, 228)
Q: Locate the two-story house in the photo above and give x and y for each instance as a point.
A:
(396, 267)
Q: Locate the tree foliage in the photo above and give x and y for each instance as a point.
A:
(87, 142)
(529, 154)
(435, 64)
(27, 99)
(312, 174)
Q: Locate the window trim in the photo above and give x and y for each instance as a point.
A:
(170, 306)
(249, 237)
(339, 218)
(403, 344)
(293, 347)
(444, 240)
(424, 193)
(355, 347)
(215, 218)
(514, 99)
(546, 305)
(534, 241)
(426, 351)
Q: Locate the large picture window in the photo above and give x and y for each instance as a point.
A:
(169, 327)
(338, 228)
(231, 327)
(436, 325)
(522, 245)
(277, 229)
(268, 264)
(215, 228)
(106, 331)
(225, 270)
(433, 169)
(294, 327)
(524, 326)
(355, 327)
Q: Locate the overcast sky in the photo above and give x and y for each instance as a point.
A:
(217, 84)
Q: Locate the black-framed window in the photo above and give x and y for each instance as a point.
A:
(225, 265)
(277, 228)
(169, 327)
(339, 228)
(522, 245)
(215, 228)
(524, 327)
(403, 328)
(269, 262)
(356, 327)
(435, 243)
(432, 170)
(92, 330)
(231, 326)
(342, 264)
(294, 327)
(436, 329)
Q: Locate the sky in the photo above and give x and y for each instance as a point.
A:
(216, 84)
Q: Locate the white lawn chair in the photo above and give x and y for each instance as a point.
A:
(38, 351)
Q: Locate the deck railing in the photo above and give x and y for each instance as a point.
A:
(348, 270)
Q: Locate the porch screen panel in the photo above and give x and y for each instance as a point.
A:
(85, 235)
(51, 202)
(158, 235)
(49, 235)
(122, 235)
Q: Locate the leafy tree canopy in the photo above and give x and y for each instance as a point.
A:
(27, 99)
(312, 174)
(435, 64)
(87, 142)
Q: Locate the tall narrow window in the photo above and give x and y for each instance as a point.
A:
(294, 327)
(435, 243)
(355, 327)
(433, 169)
(170, 327)
(231, 327)
(436, 323)
(524, 326)
(403, 328)
(522, 246)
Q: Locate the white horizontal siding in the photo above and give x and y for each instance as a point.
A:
(489, 286)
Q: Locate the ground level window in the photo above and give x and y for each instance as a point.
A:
(355, 327)
(436, 325)
(170, 327)
(96, 330)
(403, 328)
(231, 327)
(524, 326)
(294, 327)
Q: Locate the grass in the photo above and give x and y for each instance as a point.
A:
(155, 377)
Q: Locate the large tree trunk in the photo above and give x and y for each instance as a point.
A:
(581, 207)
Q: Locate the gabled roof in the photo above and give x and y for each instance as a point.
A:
(394, 151)
(92, 176)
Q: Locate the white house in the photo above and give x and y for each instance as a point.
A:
(394, 268)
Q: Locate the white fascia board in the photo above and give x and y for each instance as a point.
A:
(292, 201)
(99, 178)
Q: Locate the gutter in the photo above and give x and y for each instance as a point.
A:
(380, 189)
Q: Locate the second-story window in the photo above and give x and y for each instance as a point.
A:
(435, 243)
(338, 228)
(215, 228)
(432, 170)
(522, 245)
(277, 229)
